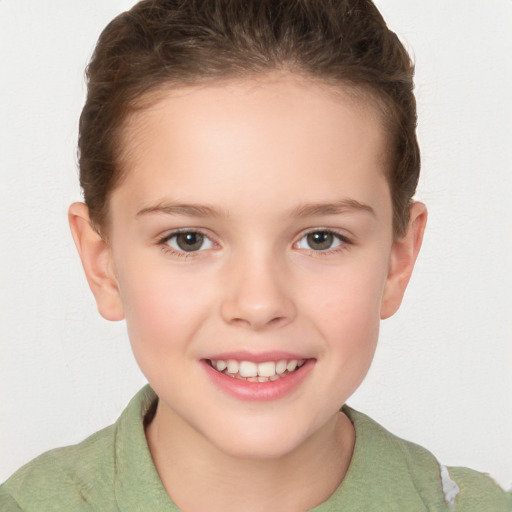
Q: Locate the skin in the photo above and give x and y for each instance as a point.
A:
(267, 161)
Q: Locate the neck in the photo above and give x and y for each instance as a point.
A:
(200, 477)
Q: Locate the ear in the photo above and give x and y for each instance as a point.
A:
(404, 252)
(96, 256)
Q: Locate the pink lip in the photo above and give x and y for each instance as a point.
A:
(259, 391)
(261, 357)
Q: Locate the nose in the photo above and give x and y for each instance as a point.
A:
(257, 294)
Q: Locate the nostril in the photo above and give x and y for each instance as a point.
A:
(277, 320)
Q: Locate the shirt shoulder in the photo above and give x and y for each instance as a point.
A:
(109, 471)
(66, 479)
(478, 491)
(388, 473)
(462, 489)
(8, 503)
(403, 470)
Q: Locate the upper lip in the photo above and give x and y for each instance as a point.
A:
(260, 357)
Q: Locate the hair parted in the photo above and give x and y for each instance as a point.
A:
(161, 44)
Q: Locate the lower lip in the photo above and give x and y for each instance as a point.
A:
(261, 391)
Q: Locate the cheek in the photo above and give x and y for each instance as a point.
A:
(346, 311)
(351, 293)
(159, 305)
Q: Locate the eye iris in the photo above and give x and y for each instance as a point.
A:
(189, 241)
(320, 240)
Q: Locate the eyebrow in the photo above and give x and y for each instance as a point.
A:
(301, 211)
(334, 208)
(190, 210)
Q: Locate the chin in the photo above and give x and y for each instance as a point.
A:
(265, 441)
(259, 450)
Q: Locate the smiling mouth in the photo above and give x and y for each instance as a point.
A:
(267, 371)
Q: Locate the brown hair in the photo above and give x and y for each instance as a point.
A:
(175, 43)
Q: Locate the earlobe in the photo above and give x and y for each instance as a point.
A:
(403, 256)
(96, 256)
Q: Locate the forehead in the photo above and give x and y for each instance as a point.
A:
(265, 97)
(254, 134)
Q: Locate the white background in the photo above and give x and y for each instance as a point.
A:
(442, 374)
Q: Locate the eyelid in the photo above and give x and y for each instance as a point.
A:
(163, 240)
(342, 237)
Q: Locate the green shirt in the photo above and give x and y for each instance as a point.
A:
(113, 471)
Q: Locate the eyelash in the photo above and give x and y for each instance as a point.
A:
(343, 239)
(164, 242)
(343, 245)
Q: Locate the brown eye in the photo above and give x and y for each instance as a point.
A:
(189, 241)
(320, 240)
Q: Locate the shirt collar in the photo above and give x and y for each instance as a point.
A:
(137, 484)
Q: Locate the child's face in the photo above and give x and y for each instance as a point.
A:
(289, 256)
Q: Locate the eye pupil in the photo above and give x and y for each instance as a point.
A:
(320, 240)
(189, 241)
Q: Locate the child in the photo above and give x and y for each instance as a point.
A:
(248, 171)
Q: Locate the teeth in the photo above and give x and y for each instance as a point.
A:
(280, 367)
(261, 372)
(291, 365)
(267, 369)
(232, 366)
(248, 369)
(221, 365)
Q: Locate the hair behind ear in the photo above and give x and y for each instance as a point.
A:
(96, 256)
